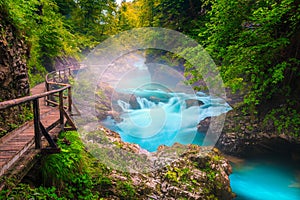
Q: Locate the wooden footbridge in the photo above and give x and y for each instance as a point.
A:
(52, 107)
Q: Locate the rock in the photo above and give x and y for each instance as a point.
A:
(106, 102)
(193, 102)
(164, 187)
(204, 125)
(243, 137)
(134, 103)
(14, 81)
(187, 176)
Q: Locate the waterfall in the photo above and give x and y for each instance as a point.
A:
(164, 118)
(145, 103)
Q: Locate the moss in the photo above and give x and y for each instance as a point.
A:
(126, 190)
(216, 158)
(178, 175)
(171, 176)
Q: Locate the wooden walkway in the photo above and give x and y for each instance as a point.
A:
(18, 149)
(18, 142)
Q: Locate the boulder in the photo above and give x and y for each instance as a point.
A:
(204, 125)
(193, 102)
(196, 173)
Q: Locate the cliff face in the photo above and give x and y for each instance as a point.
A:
(14, 81)
(247, 136)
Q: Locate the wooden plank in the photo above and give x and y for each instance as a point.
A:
(12, 147)
(52, 125)
(69, 120)
(5, 156)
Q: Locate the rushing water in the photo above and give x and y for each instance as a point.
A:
(170, 120)
(260, 179)
(165, 122)
(164, 117)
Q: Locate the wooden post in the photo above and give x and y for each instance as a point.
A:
(36, 120)
(61, 110)
(70, 99)
(47, 90)
(65, 76)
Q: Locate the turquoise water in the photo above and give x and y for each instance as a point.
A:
(165, 122)
(266, 179)
(171, 120)
(165, 118)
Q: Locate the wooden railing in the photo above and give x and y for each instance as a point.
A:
(57, 80)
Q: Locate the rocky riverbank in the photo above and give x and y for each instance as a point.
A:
(197, 173)
(244, 137)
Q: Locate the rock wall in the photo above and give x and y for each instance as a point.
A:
(246, 136)
(14, 81)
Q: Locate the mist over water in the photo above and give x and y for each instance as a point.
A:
(166, 122)
(168, 109)
(163, 114)
(164, 117)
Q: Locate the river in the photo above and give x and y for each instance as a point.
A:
(164, 117)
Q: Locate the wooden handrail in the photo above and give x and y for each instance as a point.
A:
(39, 129)
(15, 102)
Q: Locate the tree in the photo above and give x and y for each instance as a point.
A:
(256, 44)
(45, 32)
(94, 18)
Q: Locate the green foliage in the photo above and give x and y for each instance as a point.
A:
(184, 15)
(178, 175)
(49, 34)
(13, 126)
(126, 190)
(24, 191)
(69, 170)
(251, 41)
(285, 120)
(95, 19)
(8, 125)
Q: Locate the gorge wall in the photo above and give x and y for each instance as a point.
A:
(14, 82)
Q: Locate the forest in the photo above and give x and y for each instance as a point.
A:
(255, 45)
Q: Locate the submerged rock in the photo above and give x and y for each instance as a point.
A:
(193, 102)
